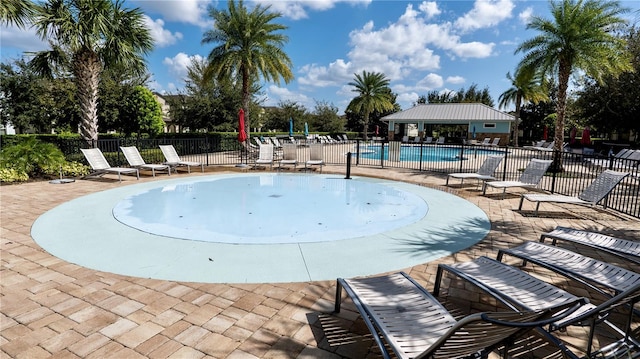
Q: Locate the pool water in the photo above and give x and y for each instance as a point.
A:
(270, 209)
(428, 153)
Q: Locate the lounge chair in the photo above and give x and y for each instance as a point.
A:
(405, 139)
(590, 196)
(531, 177)
(485, 172)
(135, 160)
(495, 142)
(100, 166)
(428, 140)
(405, 317)
(521, 291)
(440, 140)
(626, 249)
(535, 145)
(591, 272)
(289, 155)
(417, 139)
(315, 157)
(624, 160)
(485, 142)
(174, 160)
(265, 157)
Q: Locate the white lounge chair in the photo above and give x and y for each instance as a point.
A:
(521, 291)
(404, 318)
(495, 142)
(174, 160)
(265, 157)
(440, 140)
(531, 177)
(316, 156)
(100, 166)
(485, 172)
(289, 155)
(598, 190)
(135, 160)
(626, 249)
(485, 142)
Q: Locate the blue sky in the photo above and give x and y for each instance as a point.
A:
(419, 46)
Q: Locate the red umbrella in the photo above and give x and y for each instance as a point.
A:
(545, 133)
(242, 134)
(586, 136)
(572, 135)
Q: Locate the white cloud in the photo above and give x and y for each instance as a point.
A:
(456, 80)
(178, 64)
(21, 39)
(277, 94)
(161, 36)
(485, 13)
(297, 9)
(336, 73)
(473, 49)
(430, 8)
(186, 11)
(430, 82)
(525, 15)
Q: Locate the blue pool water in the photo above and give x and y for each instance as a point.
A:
(270, 209)
(427, 153)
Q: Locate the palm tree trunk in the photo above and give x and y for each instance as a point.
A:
(246, 97)
(86, 70)
(366, 126)
(564, 72)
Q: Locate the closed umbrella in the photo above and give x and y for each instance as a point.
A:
(242, 133)
(290, 126)
(572, 135)
(306, 129)
(545, 133)
(473, 133)
(586, 136)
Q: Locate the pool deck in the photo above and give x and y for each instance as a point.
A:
(51, 308)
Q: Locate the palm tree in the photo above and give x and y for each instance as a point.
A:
(526, 86)
(373, 95)
(86, 37)
(16, 11)
(580, 37)
(249, 46)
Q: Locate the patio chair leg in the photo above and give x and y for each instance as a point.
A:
(338, 297)
(521, 200)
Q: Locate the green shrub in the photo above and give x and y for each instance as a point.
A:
(72, 169)
(31, 156)
(12, 175)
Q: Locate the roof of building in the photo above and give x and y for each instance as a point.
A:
(450, 112)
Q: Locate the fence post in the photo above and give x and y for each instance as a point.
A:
(348, 166)
(357, 151)
(504, 166)
(461, 156)
(421, 150)
(381, 154)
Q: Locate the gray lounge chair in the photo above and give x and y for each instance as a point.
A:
(315, 157)
(135, 160)
(590, 196)
(531, 177)
(265, 156)
(626, 249)
(411, 321)
(485, 172)
(100, 166)
(289, 155)
(173, 160)
(521, 291)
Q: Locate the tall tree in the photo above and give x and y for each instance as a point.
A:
(16, 12)
(373, 95)
(249, 46)
(86, 36)
(472, 94)
(526, 87)
(579, 37)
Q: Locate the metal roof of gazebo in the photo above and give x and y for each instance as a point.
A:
(449, 113)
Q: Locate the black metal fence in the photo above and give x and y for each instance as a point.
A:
(580, 169)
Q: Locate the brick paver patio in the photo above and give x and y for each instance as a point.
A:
(52, 308)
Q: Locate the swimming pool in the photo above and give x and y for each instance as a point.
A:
(427, 153)
(260, 228)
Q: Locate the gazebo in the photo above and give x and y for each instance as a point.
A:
(454, 121)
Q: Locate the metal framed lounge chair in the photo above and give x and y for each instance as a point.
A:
(485, 142)
(289, 155)
(440, 140)
(531, 177)
(603, 277)
(485, 172)
(598, 190)
(100, 166)
(174, 160)
(135, 160)
(265, 156)
(428, 140)
(626, 249)
(520, 291)
(413, 324)
(316, 156)
(495, 142)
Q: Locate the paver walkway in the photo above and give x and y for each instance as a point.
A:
(51, 308)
